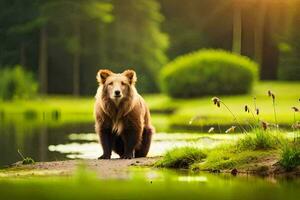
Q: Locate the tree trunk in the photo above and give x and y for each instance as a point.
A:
(76, 62)
(43, 143)
(43, 61)
(23, 54)
(259, 32)
(237, 28)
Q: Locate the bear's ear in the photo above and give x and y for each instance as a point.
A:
(131, 75)
(102, 75)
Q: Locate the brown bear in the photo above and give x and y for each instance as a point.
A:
(122, 118)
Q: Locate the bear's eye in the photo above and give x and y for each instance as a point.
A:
(111, 83)
(123, 83)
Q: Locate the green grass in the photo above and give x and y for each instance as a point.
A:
(227, 159)
(181, 157)
(245, 153)
(290, 156)
(81, 109)
(261, 140)
(63, 104)
(208, 114)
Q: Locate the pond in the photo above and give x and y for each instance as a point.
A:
(44, 141)
(188, 185)
(50, 141)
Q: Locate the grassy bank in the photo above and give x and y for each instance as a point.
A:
(258, 152)
(202, 113)
(180, 111)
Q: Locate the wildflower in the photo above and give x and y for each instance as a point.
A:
(295, 109)
(271, 94)
(246, 108)
(231, 129)
(211, 130)
(264, 125)
(216, 101)
(257, 111)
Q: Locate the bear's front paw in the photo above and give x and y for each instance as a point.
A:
(104, 157)
(127, 156)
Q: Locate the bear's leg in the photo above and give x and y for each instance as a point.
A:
(118, 146)
(143, 150)
(106, 139)
(131, 137)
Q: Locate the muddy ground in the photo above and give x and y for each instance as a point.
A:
(114, 168)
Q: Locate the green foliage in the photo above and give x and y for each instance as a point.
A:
(261, 140)
(290, 156)
(192, 25)
(134, 40)
(208, 72)
(289, 62)
(17, 83)
(289, 66)
(181, 157)
(83, 36)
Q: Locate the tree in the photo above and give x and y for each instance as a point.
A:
(259, 31)
(17, 31)
(135, 41)
(71, 15)
(237, 27)
(65, 42)
(289, 65)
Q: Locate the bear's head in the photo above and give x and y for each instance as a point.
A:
(116, 86)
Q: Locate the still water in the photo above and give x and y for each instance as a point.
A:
(49, 141)
(54, 141)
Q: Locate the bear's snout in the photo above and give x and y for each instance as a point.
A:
(117, 93)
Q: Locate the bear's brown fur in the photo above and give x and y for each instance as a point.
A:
(122, 118)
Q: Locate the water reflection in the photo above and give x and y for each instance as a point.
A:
(34, 139)
(85, 146)
(50, 141)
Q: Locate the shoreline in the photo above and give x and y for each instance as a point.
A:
(119, 168)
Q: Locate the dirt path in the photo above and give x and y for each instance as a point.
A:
(114, 168)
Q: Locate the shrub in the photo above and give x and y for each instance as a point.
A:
(16, 83)
(182, 157)
(208, 72)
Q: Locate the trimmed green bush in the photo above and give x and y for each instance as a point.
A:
(208, 72)
(16, 83)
